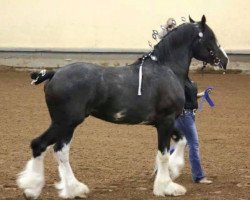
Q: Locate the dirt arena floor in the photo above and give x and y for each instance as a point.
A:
(116, 161)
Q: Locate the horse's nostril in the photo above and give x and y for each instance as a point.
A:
(216, 60)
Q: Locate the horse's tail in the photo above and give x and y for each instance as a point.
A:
(39, 77)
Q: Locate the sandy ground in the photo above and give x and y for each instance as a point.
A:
(116, 161)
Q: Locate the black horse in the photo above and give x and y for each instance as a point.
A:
(78, 90)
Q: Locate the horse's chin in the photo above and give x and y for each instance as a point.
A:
(222, 65)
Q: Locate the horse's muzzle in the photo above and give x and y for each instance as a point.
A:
(222, 63)
(223, 58)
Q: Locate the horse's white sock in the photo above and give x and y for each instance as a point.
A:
(163, 184)
(31, 179)
(176, 160)
(70, 187)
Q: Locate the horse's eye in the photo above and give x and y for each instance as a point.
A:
(211, 53)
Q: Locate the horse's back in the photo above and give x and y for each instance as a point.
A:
(73, 86)
(73, 75)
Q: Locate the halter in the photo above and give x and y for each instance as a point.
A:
(216, 59)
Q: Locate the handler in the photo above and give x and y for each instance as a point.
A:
(186, 124)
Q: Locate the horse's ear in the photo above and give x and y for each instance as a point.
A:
(191, 20)
(203, 20)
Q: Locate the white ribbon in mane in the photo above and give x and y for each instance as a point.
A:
(140, 79)
(140, 70)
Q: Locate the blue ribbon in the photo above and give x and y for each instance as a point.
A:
(207, 98)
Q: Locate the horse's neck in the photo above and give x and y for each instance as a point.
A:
(179, 62)
(177, 52)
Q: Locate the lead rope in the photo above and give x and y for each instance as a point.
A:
(203, 67)
(207, 98)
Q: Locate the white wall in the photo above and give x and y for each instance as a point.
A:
(116, 24)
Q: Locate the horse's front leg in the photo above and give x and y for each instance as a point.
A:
(163, 185)
(176, 160)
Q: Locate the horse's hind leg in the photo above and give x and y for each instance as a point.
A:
(69, 186)
(176, 160)
(163, 185)
(31, 179)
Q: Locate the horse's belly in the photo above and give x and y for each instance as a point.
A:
(123, 116)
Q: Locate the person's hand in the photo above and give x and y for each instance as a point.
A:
(209, 91)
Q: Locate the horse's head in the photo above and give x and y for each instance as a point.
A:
(206, 47)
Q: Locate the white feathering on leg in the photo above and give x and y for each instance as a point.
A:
(176, 160)
(69, 186)
(163, 184)
(31, 179)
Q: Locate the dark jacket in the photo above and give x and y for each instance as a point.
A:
(191, 95)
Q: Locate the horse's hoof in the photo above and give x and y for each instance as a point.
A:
(31, 184)
(170, 188)
(30, 195)
(74, 190)
(59, 185)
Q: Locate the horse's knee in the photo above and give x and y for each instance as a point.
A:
(38, 147)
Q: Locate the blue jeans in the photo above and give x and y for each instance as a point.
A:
(186, 124)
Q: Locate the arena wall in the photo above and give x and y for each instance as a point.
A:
(114, 24)
(32, 28)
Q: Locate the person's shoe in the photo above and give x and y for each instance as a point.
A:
(205, 181)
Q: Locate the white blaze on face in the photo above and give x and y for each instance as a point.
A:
(222, 50)
(224, 53)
